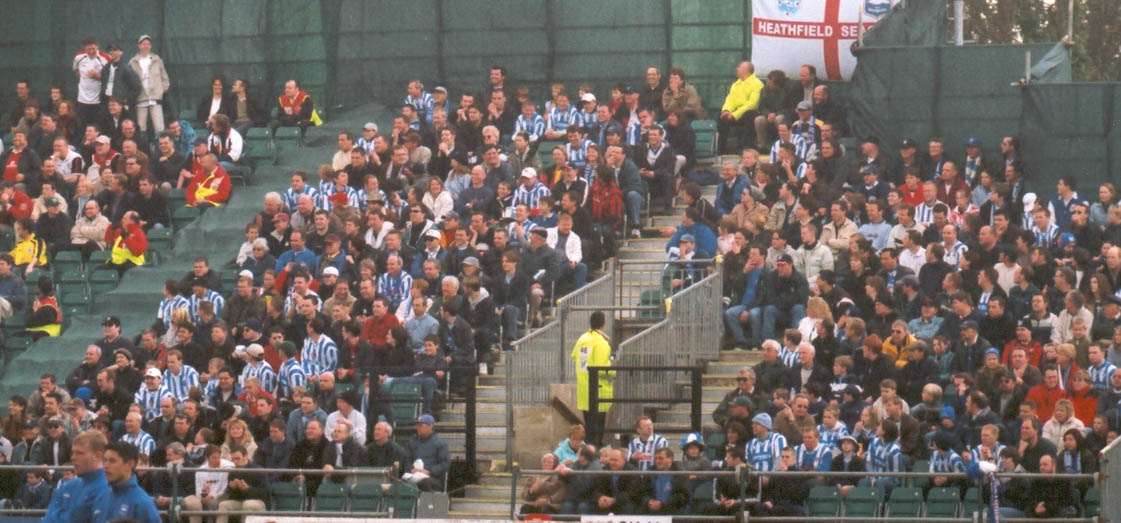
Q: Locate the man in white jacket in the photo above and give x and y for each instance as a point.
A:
(813, 256)
(567, 244)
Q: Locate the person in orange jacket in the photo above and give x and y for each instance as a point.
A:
(128, 243)
(212, 187)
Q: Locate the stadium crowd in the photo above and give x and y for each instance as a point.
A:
(911, 307)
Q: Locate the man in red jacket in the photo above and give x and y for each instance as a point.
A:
(128, 243)
(377, 326)
(1045, 396)
(211, 188)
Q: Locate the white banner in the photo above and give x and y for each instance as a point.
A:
(626, 519)
(343, 519)
(786, 34)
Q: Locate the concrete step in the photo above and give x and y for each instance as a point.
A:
(744, 356)
(482, 505)
(491, 491)
(494, 479)
(490, 392)
(485, 418)
(478, 514)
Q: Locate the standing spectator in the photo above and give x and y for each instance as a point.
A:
(593, 349)
(150, 70)
(737, 115)
(87, 68)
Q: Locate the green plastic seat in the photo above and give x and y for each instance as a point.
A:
(256, 134)
(942, 502)
(331, 497)
(98, 259)
(824, 501)
(402, 500)
(77, 303)
(366, 497)
(159, 239)
(702, 497)
(715, 442)
(288, 137)
(405, 401)
(651, 297)
(66, 261)
(103, 281)
(183, 216)
(703, 125)
(862, 502)
(905, 502)
(1092, 503)
(920, 465)
(287, 496)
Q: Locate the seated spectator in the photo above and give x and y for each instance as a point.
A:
(129, 243)
(29, 252)
(428, 456)
(295, 108)
(344, 451)
(210, 188)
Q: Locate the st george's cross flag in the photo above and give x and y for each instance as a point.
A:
(789, 33)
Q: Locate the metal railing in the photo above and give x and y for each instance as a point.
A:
(383, 476)
(660, 372)
(746, 477)
(1109, 460)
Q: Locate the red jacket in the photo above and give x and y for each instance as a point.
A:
(1045, 400)
(375, 330)
(1085, 405)
(912, 198)
(218, 181)
(947, 196)
(1033, 350)
(136, 242)
(20, 206)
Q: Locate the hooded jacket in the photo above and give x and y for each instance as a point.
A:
(126, 501)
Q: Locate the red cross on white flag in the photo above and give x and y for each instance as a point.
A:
(789, 33)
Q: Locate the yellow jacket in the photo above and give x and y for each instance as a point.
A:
(743, 96)
(30, 249)
(592, 350)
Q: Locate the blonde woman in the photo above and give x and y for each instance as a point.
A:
(817, 310)
(179, 316)
(237, 434)
(438, 199)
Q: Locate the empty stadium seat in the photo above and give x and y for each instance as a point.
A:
(943, 502)
(284, 495)
(905, 502)
(1091, 502)
(331, 497)
(402, 500)
(824, 501)
(366, 497)
(862, 502)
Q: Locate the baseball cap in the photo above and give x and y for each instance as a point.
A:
(628, 89)
(330, 271)
(426, 419)
(1114, 299)
(152, 373)
(992, 350)
(1025, 323)
(540, 231)
(693, 438)
(51, 202)
(332, 238)
(741, 401)
(253, 324)
(432, 233)
(451, 215)
(973, 141)
(123, 351)
(588, 97)
(969, 324)
(143, 37)
(785, 258)
(688, 238)
(112, 47)
(441, 89)
(471, 260)
(111, 321)
(370, 126)
(805, 105)
(460, 157)
(1066, 239)
(255, 350)
(529, 172)
(104, 139)
(907, 143)
(245, 273)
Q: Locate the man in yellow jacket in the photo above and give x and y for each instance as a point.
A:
(593, 350)
(740, 107)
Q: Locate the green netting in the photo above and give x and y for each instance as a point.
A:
(1072, 129)
(1053, 67)
(949, 92)
(919, 24)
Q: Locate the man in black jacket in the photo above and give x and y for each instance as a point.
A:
(119, 80)
(343, 452)
(458, 343)
(382, 451)
(620, 494)
(245, 491)
(274, 451)
(150, 204)
(782, 296)
(783, 496)
(669, 494)
(656, 160)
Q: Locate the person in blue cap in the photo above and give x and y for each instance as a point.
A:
(763, 450)
(428, 454)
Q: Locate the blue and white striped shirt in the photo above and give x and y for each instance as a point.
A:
(263, 372)
(588, 118)
(832, 436)
(947, 462)
(560, 119)
(142, 441)
(423, 104)
(291, 197)
(363, 197)
(577, 156)
(211, 296)
(789, 357)
(634, 132)
(180, 384)
(292, 375)
(983, 302)
(289, 302)
(808, 131)
(320, 355)
(954, 254)
(168, 306)
(1100, 375)
(396, 290)
(884, 457)
(800, 147)
(924, 213)
(764, 454)
(975, 452)
(649, 447)
(1045, 238)
(150, 400)
(535, 126)
(529, 197)
(326, 204)
(818, 459)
